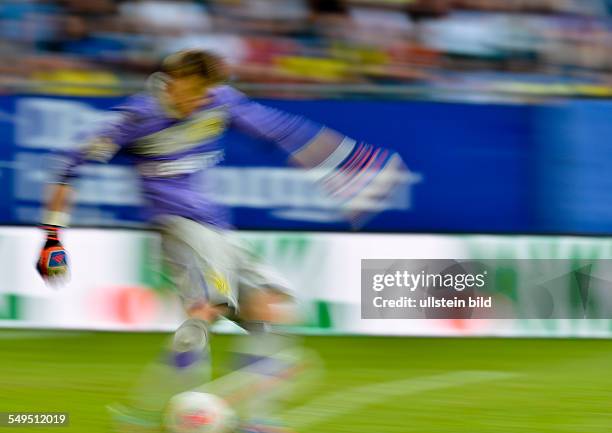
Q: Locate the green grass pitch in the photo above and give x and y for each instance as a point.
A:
(371, 385)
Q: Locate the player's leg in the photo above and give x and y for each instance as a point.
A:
(185, 362)
(266, 362)
(271, 360)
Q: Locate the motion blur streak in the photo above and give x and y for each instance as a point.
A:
(490, 117)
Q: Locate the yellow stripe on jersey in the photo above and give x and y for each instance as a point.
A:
(194, 131)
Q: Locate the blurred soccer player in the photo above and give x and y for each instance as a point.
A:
(172, 131)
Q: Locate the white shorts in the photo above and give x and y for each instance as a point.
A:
(207, 264)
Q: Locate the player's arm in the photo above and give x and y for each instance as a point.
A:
(360, 176)
(52, 264)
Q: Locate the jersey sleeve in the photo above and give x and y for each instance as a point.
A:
(104, 143)
(357, 175)
(308, 143)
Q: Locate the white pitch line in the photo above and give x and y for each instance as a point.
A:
(350, 400)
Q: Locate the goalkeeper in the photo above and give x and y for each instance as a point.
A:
(172, 133)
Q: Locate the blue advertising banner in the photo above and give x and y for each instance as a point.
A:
(574, 183)
(474, 168)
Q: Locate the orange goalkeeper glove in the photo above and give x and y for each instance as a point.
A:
(52, 264)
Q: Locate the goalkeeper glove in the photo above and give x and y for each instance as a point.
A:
(365, 181)
(52, 264)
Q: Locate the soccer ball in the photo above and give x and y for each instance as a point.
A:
(197, 412)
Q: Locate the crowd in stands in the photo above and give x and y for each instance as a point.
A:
(510, 45)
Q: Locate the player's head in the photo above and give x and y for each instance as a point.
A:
(190, 74)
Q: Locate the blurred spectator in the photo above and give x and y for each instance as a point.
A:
(270, 16)
(28, 21)
(152, 16)
(497, 43)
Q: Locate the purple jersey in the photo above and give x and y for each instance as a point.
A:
(172, 155)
